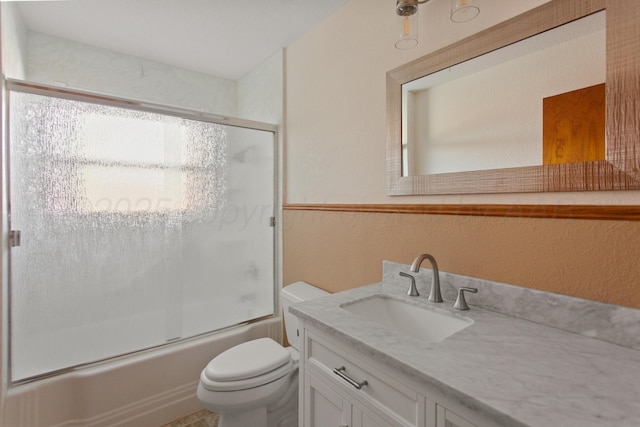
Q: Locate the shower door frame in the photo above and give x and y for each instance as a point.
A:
(9, 85)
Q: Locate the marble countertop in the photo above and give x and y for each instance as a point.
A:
(516, 371)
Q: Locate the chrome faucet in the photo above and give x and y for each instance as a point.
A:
(434, 295)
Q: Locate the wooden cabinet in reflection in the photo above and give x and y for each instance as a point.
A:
(573, 126)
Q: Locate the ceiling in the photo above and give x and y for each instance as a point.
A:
(224, 38)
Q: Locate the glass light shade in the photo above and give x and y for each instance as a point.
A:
(407, 31)
(464, 10)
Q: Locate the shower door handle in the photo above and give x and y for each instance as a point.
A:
(15, 238)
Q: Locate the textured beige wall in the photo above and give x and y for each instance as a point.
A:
(596, 260)
(335, 153)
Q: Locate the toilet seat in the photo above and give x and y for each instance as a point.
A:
(247, 365)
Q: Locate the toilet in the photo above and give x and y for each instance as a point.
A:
(256, 383)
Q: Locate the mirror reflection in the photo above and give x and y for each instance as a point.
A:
(500, 110)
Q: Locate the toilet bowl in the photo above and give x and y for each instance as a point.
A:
(256, 383)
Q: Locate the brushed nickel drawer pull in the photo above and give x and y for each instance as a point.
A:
(342, 374)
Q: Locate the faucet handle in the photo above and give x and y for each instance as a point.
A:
(461, 303)
(412, 291)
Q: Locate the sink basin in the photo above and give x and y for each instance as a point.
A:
(426, 324)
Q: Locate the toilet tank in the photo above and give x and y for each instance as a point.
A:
(291, 294)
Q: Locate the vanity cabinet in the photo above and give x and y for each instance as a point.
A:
(333, 392)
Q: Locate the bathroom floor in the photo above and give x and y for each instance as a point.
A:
(202, 418)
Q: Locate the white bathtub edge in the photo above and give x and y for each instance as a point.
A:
(147, 389)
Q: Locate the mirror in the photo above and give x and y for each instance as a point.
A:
(429, 99)
(486, 113)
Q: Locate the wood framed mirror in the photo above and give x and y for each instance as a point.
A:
(619, 167)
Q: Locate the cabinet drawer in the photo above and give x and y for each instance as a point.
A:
(395, 399)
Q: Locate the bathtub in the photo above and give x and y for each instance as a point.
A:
(147, 389)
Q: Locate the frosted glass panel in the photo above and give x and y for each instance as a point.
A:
(137, 229)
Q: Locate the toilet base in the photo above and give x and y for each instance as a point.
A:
(283, 413)
(256, 417)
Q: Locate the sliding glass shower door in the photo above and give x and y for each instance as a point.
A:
(131, 228)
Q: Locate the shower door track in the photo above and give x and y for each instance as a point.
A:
(104, 99)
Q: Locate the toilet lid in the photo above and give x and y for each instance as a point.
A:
(248, 383)
(247, 360)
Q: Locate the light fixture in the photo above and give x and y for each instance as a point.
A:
(464, 10)
(461, 11)
(407, 23)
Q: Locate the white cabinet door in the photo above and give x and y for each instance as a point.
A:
(365, 418)
(323, 406)
(446, 418)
